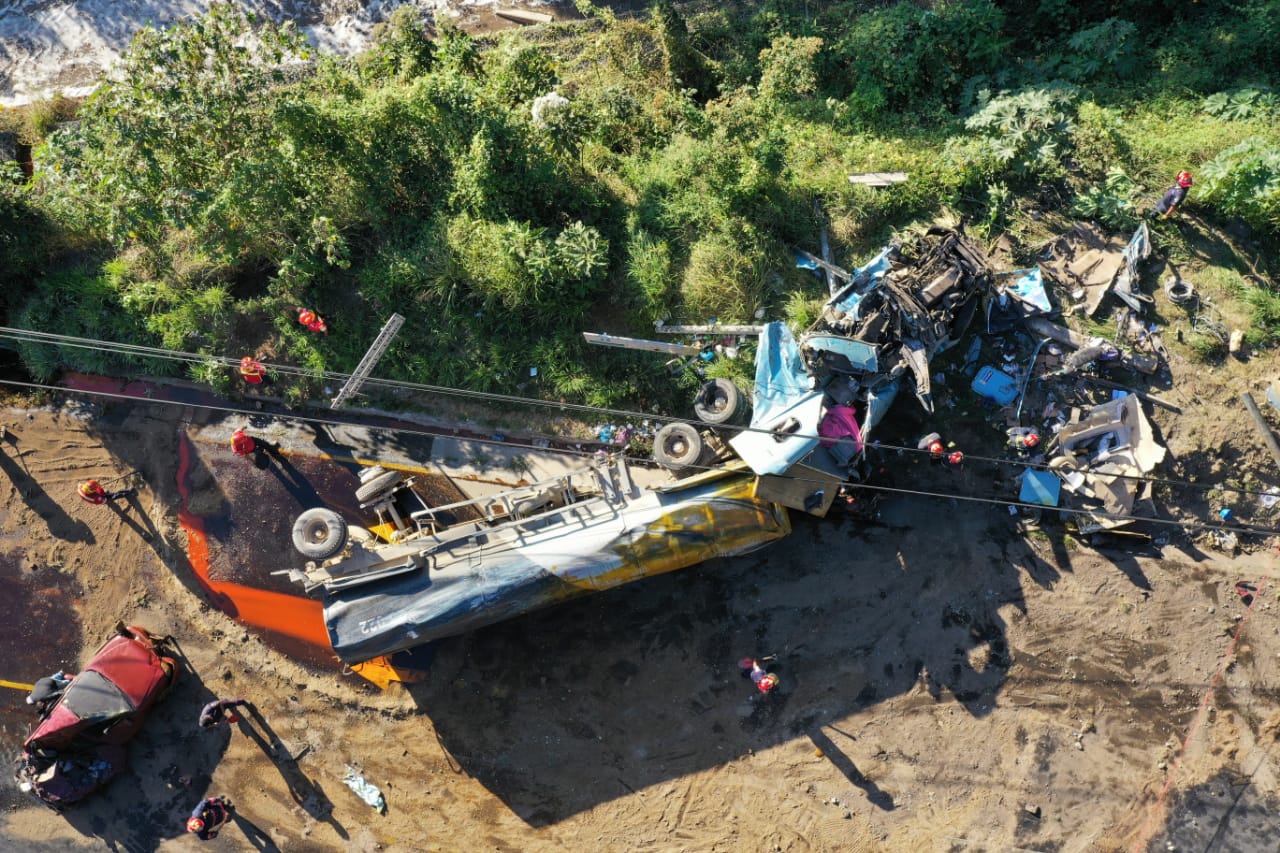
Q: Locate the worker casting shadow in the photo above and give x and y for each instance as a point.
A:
(305, 791)
(878, 798)
(60, 524)
(254, 834)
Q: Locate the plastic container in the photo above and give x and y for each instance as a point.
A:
(995, 385)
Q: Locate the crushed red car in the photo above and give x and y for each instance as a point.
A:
(80, 743)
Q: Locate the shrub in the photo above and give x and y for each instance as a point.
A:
(1026, 131)
(788, 70)
(1242, 104)
(1112, 203)
(1244, 181)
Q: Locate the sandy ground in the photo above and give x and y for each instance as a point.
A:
(949, 681)
(51, 46)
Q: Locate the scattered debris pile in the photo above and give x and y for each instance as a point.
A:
(1101, 460)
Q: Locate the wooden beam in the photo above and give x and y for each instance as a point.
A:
(639, 344)
(839, 272)
(878, 179)
(713, 329)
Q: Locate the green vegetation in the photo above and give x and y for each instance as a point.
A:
(506, 193)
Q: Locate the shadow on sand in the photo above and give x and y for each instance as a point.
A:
(563, 710)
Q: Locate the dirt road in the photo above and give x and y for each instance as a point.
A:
(948, 683)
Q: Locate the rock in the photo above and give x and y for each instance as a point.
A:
(848, 815)
(1032, 809)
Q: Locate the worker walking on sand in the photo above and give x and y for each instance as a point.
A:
(209, 816)
(242, 443)
(91, 491)
(1174, 196)
(253, 371)
(313, 321)
(212, 715)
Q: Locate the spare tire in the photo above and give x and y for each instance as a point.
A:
(719, 402)
(677, 446)
(319, 533)
(377, 485)
(367, 474)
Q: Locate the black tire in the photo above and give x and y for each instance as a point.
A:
(719, 402)
(677, 446)
(319, 533)
(379, 484)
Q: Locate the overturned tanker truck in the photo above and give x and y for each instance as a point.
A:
(433, 572)
(424, 573)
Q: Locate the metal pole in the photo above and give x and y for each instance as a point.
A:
(1263, 427)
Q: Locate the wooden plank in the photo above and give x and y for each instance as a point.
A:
(521, 16)
(639, 344)
(713, 329)
(878, 179)
(839, 272)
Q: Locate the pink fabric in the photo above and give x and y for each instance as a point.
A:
(840, 422)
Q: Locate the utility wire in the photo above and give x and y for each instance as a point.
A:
(850, 484)
(485, 396)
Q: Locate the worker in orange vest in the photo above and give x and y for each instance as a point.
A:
(252, 370)
(91, 491)
(241, 443)
(313, 321)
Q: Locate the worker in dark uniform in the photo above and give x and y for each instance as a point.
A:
(47, 690)
(1174, 195)
(218, 710)
(209, 816)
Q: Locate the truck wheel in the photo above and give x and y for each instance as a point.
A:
(719, 402)
(377, 485)
(367, 474)
(677, 446)
(319, 533)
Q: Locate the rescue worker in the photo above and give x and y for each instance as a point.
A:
(218, 710)
(209, 816)
(91, 491)
(932, 443)
(241, 443)
(313, 321)
(764, 680)
(252, 371)
(47, 690)
(1174, 195)
(1023, 439)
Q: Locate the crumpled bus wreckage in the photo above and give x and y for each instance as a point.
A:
(442, 571)
(816, 400)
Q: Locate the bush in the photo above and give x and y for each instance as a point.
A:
(1244, 181)
(908, 57)
(1026, 132)
(788, 71)
(1113, 203)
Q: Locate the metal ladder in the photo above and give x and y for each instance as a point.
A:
(376, 350)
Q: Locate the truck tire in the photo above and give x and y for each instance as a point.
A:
(719, 402)
(319, 533)
(677, 446)
(382, 483)
(367, 474)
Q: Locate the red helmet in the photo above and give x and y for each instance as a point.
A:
(195, 824)
(1184, 179)
(936, 448)
(956, 458)
(306, 315)
(1031, 439)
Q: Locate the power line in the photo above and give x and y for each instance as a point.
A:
(1194, 524)
(485, 396)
